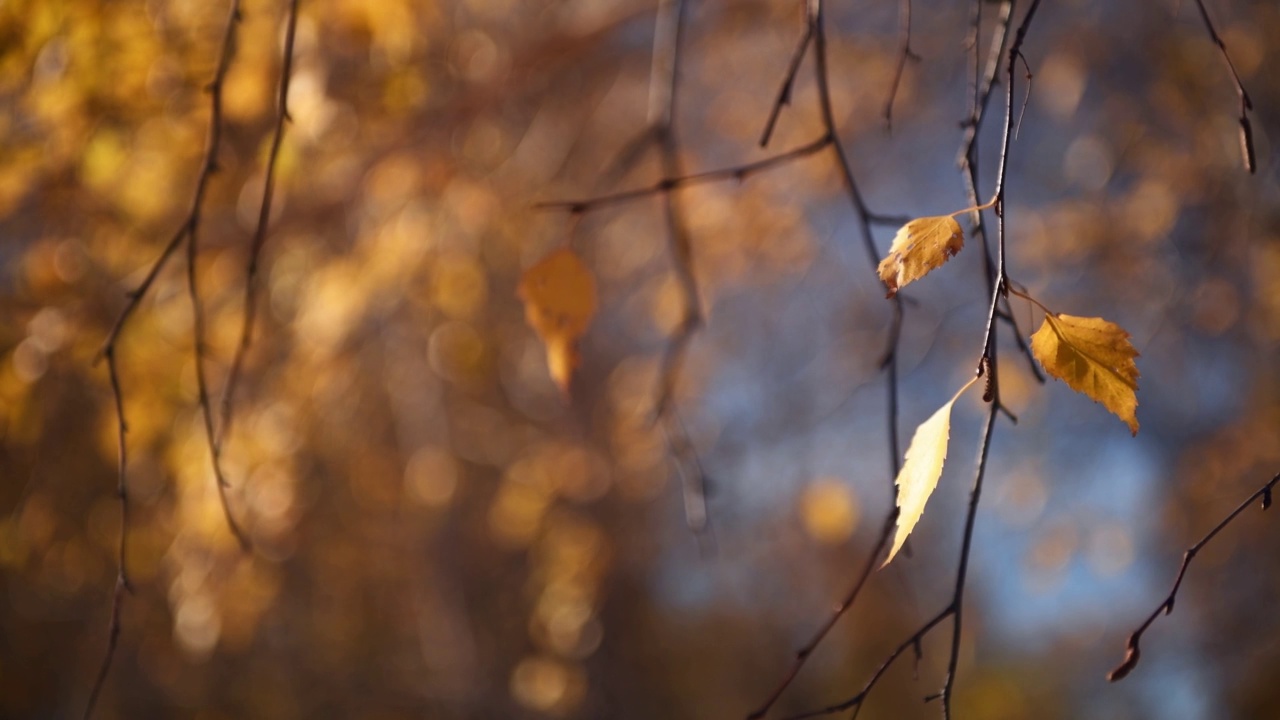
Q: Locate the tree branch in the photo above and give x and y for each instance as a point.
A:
(1132, 652)
(250, 310)
(1246, 104)
(186, 231)
(667, 184)
(904, 54)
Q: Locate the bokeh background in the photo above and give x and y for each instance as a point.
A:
(440, 533)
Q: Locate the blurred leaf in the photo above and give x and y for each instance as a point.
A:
(559, 295)
(919, 247)
(1094, 357)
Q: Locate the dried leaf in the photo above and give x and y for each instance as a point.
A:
(920, 246)
(559, 295)
(919, 474)
(1093, 357)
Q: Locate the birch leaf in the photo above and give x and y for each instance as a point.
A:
(1093, 357)
(920, 246)
(921, 470)
(559, 295)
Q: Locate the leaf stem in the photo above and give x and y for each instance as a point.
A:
(1032, 300)
(976, 208)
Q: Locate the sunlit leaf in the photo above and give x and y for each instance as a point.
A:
(559, 295)
(1093, 357)
(920, 246)
(919, 474)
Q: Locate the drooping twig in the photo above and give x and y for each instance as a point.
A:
(904, 54)
(1132, 653)
(122, 572)
(186, 232)
(1246, 104)
(250, 310)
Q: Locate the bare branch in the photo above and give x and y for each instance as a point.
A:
(1246, 104)
(788, 83)
(854, 590)
(737, 172)
(122, 572)
(186, 231)
(1132, 652)
(260, 232)
(904, 54)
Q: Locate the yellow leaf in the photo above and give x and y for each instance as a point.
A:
(920, 246)
(559, 295)
(919, 474)
(1094, 357)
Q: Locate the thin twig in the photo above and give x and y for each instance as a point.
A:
(1132, 653)
(663, 92)
(193, 288)
(999, 287)
(250, 310)
(854, 590)
(1246, 104)
(788, 83)
(904, 54)
(979, 99)
(665, 185)
(123, 584)
(186, 231)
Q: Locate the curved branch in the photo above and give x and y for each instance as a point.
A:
(250, 310)
(186, 232)
(1132, 653)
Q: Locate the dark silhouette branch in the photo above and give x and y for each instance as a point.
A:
(665, 185)
(981, 84)
(1132, 653)
(186, 232)
(1246, 104)
(904, 54)
(849, 597)
(250, 310)
(999, 288)
(788, 83)
(123, 584)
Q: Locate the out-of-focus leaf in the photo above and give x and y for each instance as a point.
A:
(559, 295)
(1094, 357)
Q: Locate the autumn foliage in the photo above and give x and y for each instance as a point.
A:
(528, 359)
